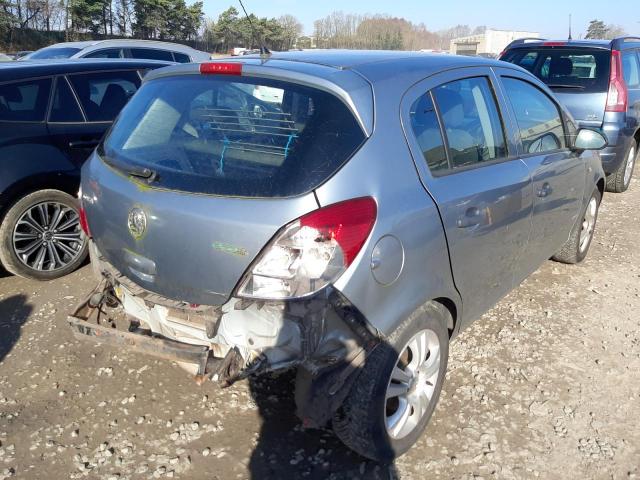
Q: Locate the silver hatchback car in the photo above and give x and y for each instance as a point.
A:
(346, 222)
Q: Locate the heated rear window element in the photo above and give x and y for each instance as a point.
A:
(233, 135)
(565, 69)
(24, 101)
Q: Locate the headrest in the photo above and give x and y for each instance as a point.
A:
(561, 66)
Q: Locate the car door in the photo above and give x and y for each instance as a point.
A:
(557, 172)
(631, 72)
(68, 128)
(469, 166)
(84, 107)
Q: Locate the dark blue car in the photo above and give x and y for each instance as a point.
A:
(52, 115)
(599, 82)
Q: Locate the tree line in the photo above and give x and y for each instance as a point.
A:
(174, 20)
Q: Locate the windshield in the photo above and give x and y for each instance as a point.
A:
(52, 53)
(566, 69)
(233, 136)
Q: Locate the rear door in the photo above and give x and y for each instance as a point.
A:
(631, 72)
(558, 173)
(470, 167)
(68, 127)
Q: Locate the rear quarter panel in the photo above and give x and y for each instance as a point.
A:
(384, 169)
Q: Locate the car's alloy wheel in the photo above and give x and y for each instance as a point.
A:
(48, 237)
(412, 384)
(628, 171)
(588, 224)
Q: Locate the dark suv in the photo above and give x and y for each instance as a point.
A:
(52, 115)
(599, 82)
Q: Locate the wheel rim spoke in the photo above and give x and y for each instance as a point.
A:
(399, 420)
(397, 390)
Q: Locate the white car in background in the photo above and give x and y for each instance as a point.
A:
(140, 49)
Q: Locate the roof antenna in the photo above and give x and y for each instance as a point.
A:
(264, 51)
(570, 36)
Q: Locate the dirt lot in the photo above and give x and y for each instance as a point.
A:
(546, 385)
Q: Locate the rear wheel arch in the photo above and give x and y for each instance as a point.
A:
(452, 321)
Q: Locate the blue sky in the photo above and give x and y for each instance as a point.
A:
(549, 17)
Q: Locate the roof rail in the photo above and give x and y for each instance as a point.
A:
(616, 42)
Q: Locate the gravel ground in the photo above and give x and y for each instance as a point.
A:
(546, 385)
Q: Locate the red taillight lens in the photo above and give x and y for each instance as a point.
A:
(554, 44)
(83, 221)
(221, 68)
(312, 251)
(348, 223)
(617, 96)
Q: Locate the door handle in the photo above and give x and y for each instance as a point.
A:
(545, 190)
(84, 143)
(473, 217)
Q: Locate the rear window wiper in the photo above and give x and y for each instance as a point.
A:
(577, 87)
(133, 170)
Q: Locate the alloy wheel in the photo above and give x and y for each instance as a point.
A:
(588, 224)
(412, 384)
(48, 236)
(628, 171)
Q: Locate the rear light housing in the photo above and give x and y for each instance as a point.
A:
(618, 95)
(221, 68)
(554, 44)
(311, 252)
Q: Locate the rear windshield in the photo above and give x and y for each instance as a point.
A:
(566, 69)
(53, 53)
(233, 136)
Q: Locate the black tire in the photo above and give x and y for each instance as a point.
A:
(571, 251)
(360, 422)
(8, 256)
(616, 182)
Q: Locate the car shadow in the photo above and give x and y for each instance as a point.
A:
(14, 312)
(287, 450)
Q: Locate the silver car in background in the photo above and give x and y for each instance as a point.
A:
(120, 48)
(348, 229)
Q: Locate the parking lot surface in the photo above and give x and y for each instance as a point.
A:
(546, 385)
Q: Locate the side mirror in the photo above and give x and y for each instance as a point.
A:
(589, 140)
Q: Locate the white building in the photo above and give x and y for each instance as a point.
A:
(490, 43)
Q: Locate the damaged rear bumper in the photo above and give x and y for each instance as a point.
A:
(324, 337)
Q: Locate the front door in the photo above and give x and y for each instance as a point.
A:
(483, 190)
(558, 173)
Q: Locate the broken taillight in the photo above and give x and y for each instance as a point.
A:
(311, 251)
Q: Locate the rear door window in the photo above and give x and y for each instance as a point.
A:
(471, 121)
(181, 57)
(538, 117)
(151, 54)
(106, 53)
(566, 69)
(426, 128)
(631, 69)
(104, 94)
(64, 108)
(25, 101)
(211, 134)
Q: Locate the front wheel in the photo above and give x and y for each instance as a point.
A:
(397, 390)
(576, 248)
(40, 236)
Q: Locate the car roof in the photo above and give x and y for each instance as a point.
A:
(123, 43)
(36, 68)
(617, 44)
(352, 59)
